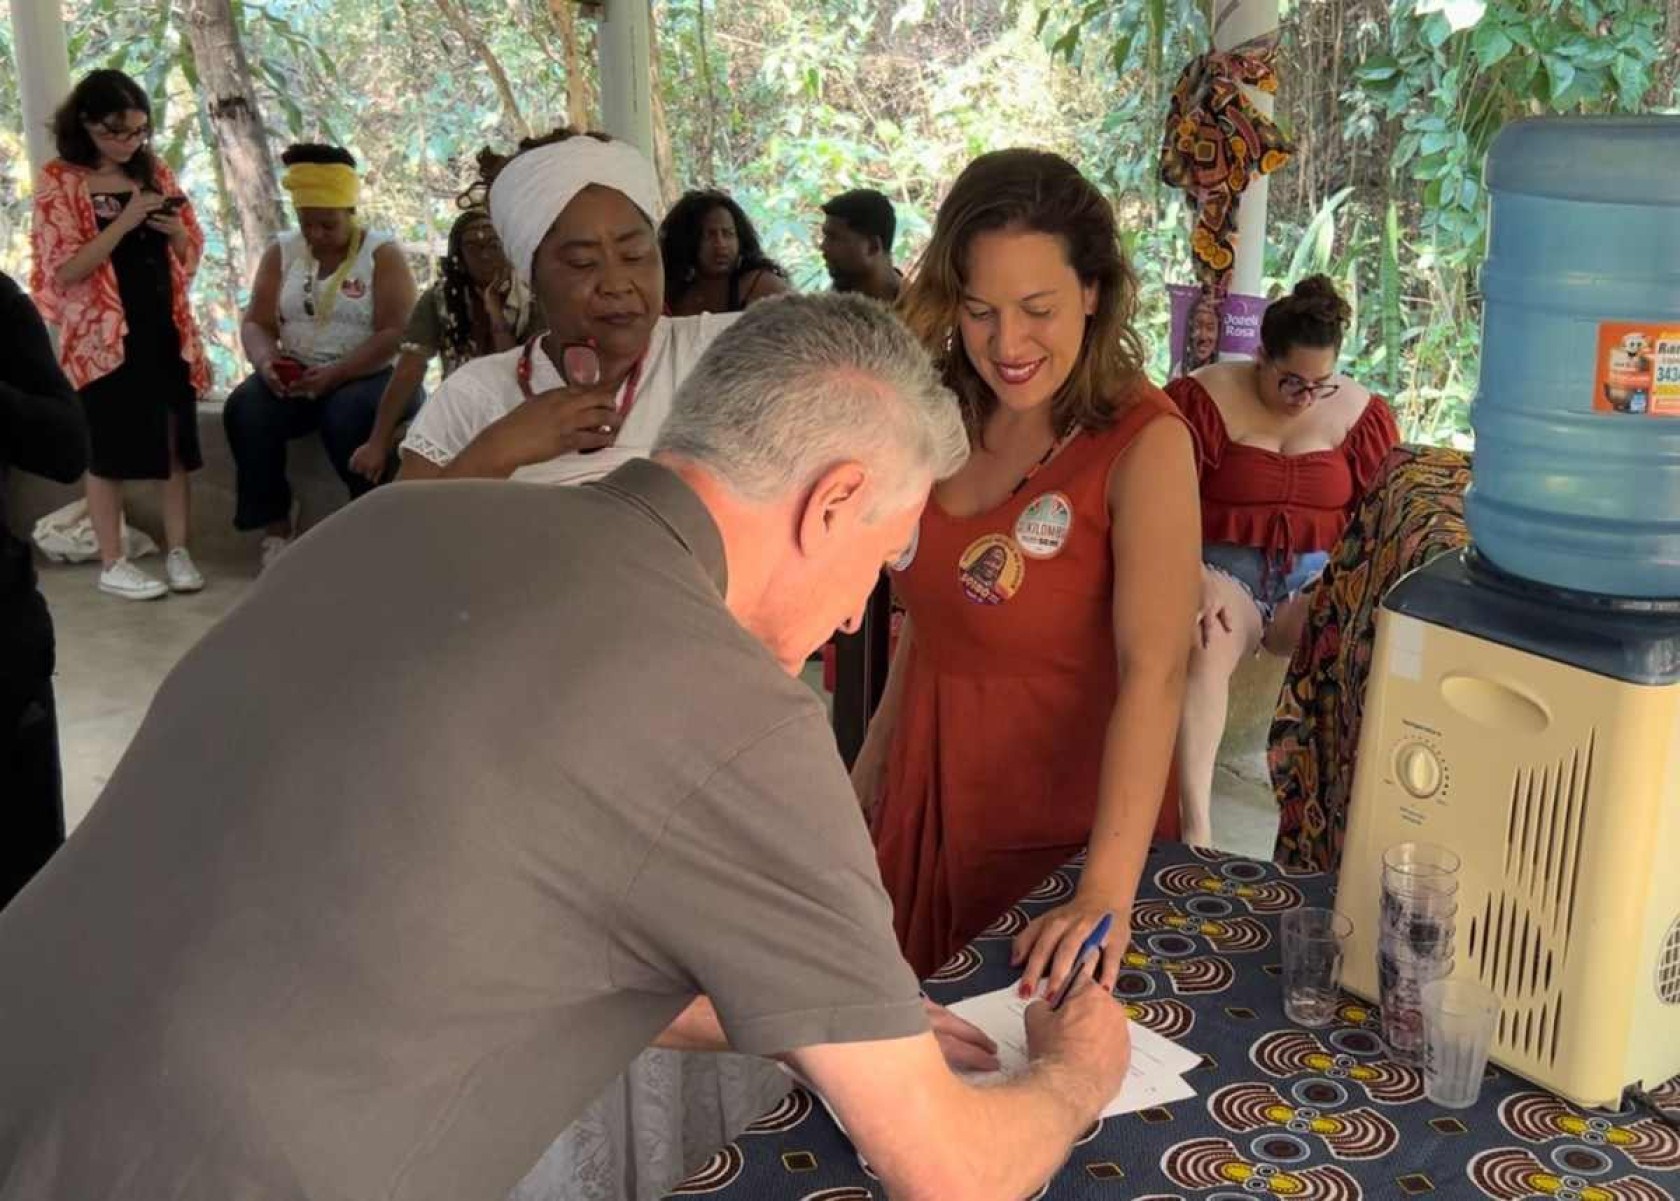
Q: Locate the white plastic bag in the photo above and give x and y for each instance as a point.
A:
(66, 536)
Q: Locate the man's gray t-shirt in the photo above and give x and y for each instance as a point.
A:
(417, 849)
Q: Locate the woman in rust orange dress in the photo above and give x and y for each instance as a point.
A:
(1034, 694)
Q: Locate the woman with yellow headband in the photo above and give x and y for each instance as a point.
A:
(326, 316)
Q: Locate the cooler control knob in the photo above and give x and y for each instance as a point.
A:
(1418, 769)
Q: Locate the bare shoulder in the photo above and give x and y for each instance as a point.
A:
(1351, 396)
(765, 283)
(389, 255)
(1226, 383)
(1158, 459)
(1343, 410)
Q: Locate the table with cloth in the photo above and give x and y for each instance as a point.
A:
(1280, 1111)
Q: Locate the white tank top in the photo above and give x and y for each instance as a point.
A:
(312, 339)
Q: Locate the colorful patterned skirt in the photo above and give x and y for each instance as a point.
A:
(1414, 512)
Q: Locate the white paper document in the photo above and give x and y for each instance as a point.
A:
(1154, 1078)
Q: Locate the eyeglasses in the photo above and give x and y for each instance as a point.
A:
(118, 134)
(1291, 384)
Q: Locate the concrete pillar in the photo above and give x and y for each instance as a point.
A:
(626, 49)
(43, 72)
(1236, 22)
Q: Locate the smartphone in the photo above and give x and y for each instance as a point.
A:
(172, 204)
(580, 365)
(287, 370)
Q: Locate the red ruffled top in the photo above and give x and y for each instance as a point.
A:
(1282, 504)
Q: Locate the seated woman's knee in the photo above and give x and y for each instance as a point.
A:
(252, 403)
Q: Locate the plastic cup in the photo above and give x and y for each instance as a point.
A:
(1423, 926)
(1459, 1018)
(1313, 941)
(1404, 967)
(1419, 895)
(1421, 861)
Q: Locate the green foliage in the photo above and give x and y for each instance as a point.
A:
(1451, 85)
(1433, 81)
(787, 102)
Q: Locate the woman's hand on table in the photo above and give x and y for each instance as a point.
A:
(1047, 948)
(966, 1047)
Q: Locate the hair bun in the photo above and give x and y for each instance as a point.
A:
(1317, 294)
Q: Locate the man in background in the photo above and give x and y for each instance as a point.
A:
(857, 238)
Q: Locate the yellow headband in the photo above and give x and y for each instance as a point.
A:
(322, 185)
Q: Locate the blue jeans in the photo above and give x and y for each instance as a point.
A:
(1267, 584)
(259, 424)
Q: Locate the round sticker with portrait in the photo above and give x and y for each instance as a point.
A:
(991, 569)
(1042, 528)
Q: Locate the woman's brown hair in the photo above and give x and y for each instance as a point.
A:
(1031, 190)
(1313, 315)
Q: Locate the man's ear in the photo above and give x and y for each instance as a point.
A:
(833, 503)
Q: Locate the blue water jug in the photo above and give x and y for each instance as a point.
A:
(1576, 481)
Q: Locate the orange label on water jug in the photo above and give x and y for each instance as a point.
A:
(1638, 371)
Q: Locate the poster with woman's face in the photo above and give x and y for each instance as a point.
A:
(1205, 327)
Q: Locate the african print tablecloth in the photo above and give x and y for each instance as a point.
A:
(1280, 1111)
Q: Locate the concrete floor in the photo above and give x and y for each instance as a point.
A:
(113, 654)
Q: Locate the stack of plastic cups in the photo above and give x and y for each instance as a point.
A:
(1415, 947)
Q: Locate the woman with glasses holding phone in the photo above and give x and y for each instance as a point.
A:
(115, 245)
(1286, 447)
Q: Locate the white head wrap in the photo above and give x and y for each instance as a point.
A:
(535, 187)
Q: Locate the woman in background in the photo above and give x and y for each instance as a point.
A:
(573, 210)
(116, 244)
(478, 306)
(713, 260)
(327, 311)
(1286, 446)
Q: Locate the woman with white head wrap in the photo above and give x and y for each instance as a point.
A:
(576, 215)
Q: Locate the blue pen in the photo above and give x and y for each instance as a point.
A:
(1091, 946)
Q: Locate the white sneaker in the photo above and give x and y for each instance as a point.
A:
(124, 579)
(273, 546)
(182, 574)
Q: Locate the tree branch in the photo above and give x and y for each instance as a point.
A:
(463, 27)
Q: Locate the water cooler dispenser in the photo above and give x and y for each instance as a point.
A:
(1524, 697)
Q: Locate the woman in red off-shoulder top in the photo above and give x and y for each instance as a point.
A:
(1285, 448)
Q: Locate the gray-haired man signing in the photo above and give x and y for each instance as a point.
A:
(297, 953)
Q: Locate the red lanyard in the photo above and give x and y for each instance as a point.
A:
(523, 372)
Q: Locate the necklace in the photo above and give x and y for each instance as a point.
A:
(1048, 455)
(523, 370)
